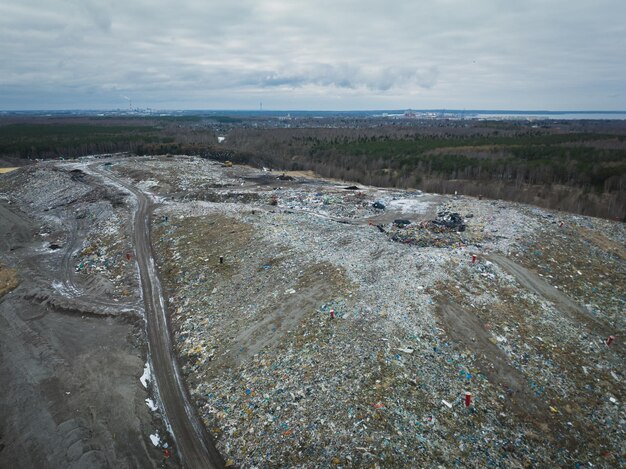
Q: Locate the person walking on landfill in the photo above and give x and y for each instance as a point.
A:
(332, 314)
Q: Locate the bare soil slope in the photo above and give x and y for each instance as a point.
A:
(72, 347)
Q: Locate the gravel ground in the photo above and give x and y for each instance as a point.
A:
(72, 345)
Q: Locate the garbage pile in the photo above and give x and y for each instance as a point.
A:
(445, 231)
(319, 343)
(93, 258)
(451, 221)
(583, 263)
(326, 201)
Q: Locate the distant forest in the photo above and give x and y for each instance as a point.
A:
(578, 167)
(577, 171)
(21, 141)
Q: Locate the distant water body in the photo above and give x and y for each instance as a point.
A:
(547, 115)
(391, 113)
(433, 114)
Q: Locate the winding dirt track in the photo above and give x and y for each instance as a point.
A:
(466, 328)
(540, 287)
(562, 302)
(194, 444)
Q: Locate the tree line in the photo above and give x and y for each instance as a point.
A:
(574, 166)
(579, 172)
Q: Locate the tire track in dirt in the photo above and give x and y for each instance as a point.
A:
(562, 302)
(465, 328)
(603, 242)
(194, 444)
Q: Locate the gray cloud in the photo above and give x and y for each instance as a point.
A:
(325, 53)
(347, 76)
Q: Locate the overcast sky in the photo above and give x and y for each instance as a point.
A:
(313, 54)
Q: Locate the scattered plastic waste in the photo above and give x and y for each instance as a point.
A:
(385, 383)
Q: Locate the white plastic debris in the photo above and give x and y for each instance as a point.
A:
(146, 376)
(155, 439)
(150, 403)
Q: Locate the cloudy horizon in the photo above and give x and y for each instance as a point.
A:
(339, 55)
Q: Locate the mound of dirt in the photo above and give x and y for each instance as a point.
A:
(9, 280)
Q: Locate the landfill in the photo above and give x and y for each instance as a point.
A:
(102, 255)
(325, 326)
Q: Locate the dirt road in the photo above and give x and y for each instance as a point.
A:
(69, 395)
(194, 444)
(465, 328)
(562, 302)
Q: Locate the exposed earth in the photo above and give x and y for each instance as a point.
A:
(431, 296)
